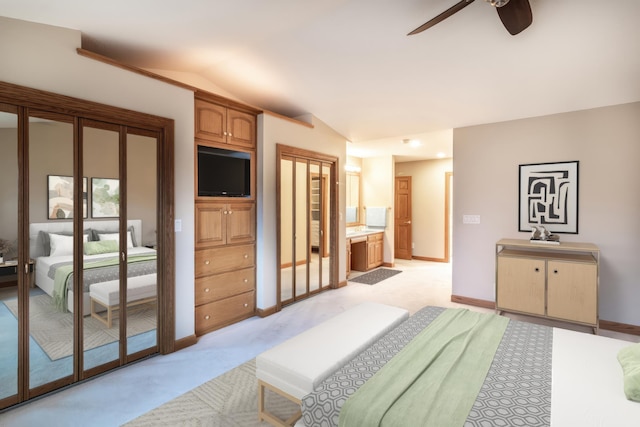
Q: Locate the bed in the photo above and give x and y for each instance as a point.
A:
(538, 376)
(51, 250)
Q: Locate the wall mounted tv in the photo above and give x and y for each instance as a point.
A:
(223, 173)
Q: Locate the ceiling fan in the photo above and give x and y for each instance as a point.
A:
(514, 14)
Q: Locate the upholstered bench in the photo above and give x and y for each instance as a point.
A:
(140, 290)
(295, 367)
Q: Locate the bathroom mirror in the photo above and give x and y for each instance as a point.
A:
(353, 199)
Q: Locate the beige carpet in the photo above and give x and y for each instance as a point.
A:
(53, 330)
(230, 400)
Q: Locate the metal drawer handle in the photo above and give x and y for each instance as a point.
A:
(206, 290)
(246, 280)
(207, 317)
(246, 256)
(246, 305)
(537, 269)
(206, 262)
(555, 271)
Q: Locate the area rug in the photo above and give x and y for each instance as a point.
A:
(230, 400)
(53, 330)
(375, 276)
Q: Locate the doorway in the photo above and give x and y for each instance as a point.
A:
(307, 224)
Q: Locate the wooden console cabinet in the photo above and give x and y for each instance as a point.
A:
(559, 282)
(225, 227)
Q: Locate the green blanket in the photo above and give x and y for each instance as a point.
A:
(435, 379)
(63, 272)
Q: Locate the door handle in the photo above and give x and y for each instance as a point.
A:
(408, 222)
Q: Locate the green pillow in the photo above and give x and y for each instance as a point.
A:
(629, 358)
(101, 247)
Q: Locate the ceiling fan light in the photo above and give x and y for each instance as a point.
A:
(497, 3)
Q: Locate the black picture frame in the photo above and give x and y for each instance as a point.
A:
(548, 196)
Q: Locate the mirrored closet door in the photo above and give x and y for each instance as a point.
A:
(307, 206)
(86, 262)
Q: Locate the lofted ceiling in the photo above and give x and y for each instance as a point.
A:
(351, 64)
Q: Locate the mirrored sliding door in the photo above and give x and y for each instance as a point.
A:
(307, 207)
(9, 308)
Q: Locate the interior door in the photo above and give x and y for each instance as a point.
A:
(402, 223)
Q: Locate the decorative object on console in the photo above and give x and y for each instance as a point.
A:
(539, 234)
(60, 197)
(548, 196)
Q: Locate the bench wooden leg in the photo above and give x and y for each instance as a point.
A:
(265, 415)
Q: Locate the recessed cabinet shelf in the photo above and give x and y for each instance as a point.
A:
(559, 282)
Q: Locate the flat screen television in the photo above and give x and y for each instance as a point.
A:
(223, 173)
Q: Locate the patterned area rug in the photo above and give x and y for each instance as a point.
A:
(375, 276)
(53, 330)
(230, 400)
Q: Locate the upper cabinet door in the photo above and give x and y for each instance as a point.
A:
(211, 121)
(216, 123)
(241, 128)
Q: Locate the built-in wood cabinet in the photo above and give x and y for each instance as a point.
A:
(219, 223)
(219, 123)
(366, 252)
(225, 227)
(375, 249)
(554, 281)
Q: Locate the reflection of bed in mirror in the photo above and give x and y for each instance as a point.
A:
(52, 249)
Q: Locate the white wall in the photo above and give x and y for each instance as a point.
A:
(606, 143)
(44, 57)
(273, 130)
(377, 190)
(427, 204)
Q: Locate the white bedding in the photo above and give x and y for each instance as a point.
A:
(587, 385)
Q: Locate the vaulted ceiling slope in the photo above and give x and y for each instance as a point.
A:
(352, 65)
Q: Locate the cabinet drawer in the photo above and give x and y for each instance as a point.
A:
(224, 285)
(374, 237)
(223, 259)
(217, 314)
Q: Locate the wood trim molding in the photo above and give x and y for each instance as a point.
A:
(185, 342)
(264, 312)
(424, 258)
(105, 59)
(473, 301)
(342, 284)
(620, 327)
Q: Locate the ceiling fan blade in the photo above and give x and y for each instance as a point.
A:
(515, 15)
(444, 15)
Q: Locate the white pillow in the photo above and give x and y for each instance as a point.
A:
(116, 237)
(60, 244)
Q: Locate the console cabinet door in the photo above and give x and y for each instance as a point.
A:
(521, 284)
(211, 229)
(572, 291)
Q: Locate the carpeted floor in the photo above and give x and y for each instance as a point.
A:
(229, 400)
(53, 330)
(375, 276)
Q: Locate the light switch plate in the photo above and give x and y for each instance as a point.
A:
(178, 225)
(471, 219)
